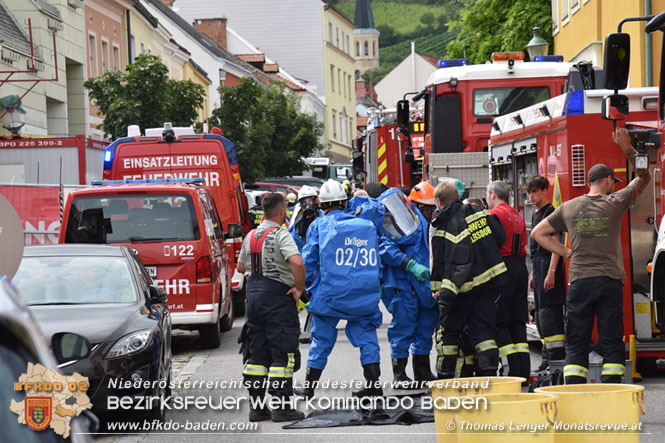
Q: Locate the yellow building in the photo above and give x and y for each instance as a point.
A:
(580, 27)
(340, 112)
(193, 72)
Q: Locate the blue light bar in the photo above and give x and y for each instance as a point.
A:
(107, 155)
(146, 181)
(453, 62)
(548, 58)
(574, 103)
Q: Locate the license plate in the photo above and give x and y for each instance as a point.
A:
(152, 271)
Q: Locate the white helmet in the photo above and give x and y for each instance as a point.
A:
(307, 191)
(332, 191)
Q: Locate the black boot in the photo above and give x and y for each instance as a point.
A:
(401, 380)
(311, 381)
(544, 363)
(372, 372)
(285, 411)
(258, 411)
(421, 370)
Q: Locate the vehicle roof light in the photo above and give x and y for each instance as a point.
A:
(133, 131)
(505, 56)
(453, 62)
(148, 181)
(548, 58)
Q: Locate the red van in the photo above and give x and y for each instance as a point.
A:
(179, 153)
(179, 238)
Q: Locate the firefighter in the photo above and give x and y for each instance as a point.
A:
(341, 258)
(405, 257)
(422, 195)
(467, 266)
(596, 268)
(256, 212)
(546, 279)
(512, 304)
(277, 279)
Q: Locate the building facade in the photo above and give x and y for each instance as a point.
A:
(306, 37)
(410, 75)
(580, 26)
(57, 106)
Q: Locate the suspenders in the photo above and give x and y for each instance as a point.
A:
(255, 246)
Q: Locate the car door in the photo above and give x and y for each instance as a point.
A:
(214, 235)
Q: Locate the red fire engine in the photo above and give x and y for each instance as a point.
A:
(561, 139)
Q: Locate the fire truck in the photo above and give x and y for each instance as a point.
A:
(561, 138)
(456, 115)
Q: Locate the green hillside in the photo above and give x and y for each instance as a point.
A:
(401, 21)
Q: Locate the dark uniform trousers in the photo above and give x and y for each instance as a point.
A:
(602, 296)
(273, 329)
(474, 309)
(511, 317)
(549, 307)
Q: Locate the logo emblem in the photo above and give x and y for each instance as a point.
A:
(38, 412)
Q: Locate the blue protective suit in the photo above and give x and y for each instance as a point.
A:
(342, 262)
(293, 230)
(415, 312)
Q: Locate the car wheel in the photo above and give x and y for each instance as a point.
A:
(226, 322)
(239, 302)
(209, 336)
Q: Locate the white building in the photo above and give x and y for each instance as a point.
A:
(409, 76)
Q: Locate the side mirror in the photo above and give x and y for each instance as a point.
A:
(158, 295)
(403, 114)
(68, 346)
(617, 60)
(656, 24)
(614, 107)
(235, 231)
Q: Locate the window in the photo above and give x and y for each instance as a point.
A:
(339, 82)
(345, 84)
(342, 48)
(574, 6)
(350, 90)
(342, 127)
(500, 101)
(92, 53)
(132, 48)
(142, 47)
(116, 58)
(105, 56)
(337, 37)
(348, 48)
(357, 49)
(332, 78)
(366, 49)
(565, 11)
(555, 16)
(334, 124)
(350, 129)
(373, 49)
(330, 32)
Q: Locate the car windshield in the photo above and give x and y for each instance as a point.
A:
(500, 101)
(132, 219)
(61, 280)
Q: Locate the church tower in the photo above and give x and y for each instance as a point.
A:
(365, 37)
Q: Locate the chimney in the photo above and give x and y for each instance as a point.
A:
(213, 28)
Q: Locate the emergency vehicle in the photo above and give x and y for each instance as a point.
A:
(176, 232)
(561, 138)
(178, 153)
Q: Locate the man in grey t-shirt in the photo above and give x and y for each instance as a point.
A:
(271, 331)
(596, 269)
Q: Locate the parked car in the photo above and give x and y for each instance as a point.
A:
(104, 294)
(22, 342)
(297, 180)
(271, 187)
(178, 236)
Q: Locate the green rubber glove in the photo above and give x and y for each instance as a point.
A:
(419, 271)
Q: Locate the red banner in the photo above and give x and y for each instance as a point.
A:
(38, 208)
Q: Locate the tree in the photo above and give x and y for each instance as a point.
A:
(427, 19)
(271, 135)
(144, 96)
(487, 26)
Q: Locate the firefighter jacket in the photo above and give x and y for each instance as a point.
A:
(465, 250)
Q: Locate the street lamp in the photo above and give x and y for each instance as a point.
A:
(538, 45)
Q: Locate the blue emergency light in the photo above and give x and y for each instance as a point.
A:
(548, 58)
(147, 181)
(107, 155)
(453, 62)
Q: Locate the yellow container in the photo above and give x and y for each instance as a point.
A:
(461, 387)
(508, 418)
(598, 412)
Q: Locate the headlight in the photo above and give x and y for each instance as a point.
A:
(130, 344)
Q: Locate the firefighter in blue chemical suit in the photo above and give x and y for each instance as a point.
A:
(406, 290)
(343, 271)
(305, 212)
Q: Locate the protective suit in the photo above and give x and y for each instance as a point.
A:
(404, 253)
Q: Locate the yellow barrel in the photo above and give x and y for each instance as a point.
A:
(508, 418)
(598, 412)
(461, 387)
